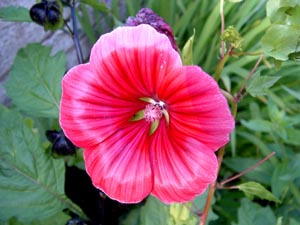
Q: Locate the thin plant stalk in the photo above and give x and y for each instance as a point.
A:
(222, 27)
(247, 170)
(239, 94)
(75, 34)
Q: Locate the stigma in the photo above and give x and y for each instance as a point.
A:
(153, 112)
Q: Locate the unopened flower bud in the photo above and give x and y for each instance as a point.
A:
(147, 16)
(232, 36)
(48, 14)
(61, 145)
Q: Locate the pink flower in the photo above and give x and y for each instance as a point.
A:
(148, 125)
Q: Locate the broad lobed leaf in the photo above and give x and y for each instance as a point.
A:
(34, 83)
(31, 181)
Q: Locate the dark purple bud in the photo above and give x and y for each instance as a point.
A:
(147, 16)
(48, 13)
(61, 145)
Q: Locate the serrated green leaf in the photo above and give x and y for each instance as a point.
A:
(96, 4)
(259, 85)
(252, 189)
(31, 181)
(258, 125)
(251, 213)
(34, 83)
(280, 41)
(16, 14)
(187, 51)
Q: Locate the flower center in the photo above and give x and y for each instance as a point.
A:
(153, 112)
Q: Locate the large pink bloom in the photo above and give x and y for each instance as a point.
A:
(148, 125)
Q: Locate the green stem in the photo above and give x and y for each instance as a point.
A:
(221, 66)
(75, 34)
(259, 52)
(222, 27)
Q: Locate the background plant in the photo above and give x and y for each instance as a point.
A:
(256, 66)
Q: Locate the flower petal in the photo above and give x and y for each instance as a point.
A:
(132, 61)
(196, 106)
(88, 114)
(183, 167)
(120, 166)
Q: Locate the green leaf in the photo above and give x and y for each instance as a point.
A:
(96, 5)
(284, 174)
(16, 14)
(259, 85)
(292, 92)
(233, 1)
(187, 51)
(34, 83)
(262, 146)
(58, 219)
(251, 213)
(282, 11)
(281, 40)
(152, 212)
(31, 181)
(258, 125)
(255, 189)
(292, 136)
(280, 179)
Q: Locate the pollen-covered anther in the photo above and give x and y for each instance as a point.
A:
(153, 112)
